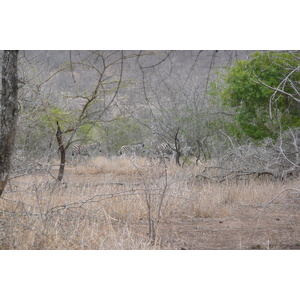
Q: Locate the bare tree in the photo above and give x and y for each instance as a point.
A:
(174, 96)
(9, 113)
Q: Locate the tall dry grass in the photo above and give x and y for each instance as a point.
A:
(107, 203)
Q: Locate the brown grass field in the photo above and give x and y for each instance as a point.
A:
(107, 203)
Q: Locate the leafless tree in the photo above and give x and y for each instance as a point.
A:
(173, 92)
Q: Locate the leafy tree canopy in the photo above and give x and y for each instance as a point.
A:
(260, 111)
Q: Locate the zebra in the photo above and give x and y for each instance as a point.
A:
(79, 150)
(187, 151)
(132, 150)
(166, 150)
(170, 152)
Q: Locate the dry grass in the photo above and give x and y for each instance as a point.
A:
(103, 204)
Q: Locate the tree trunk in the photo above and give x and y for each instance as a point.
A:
(177, 148)
(9, 113)
(62, 154)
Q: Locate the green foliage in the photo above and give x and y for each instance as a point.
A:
(122, 131)
(49, 116)
(255, 115)
(37, 128)
(88, 132)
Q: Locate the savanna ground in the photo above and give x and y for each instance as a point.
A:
(107, 204)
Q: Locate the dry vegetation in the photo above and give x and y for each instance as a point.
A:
(107, 204)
